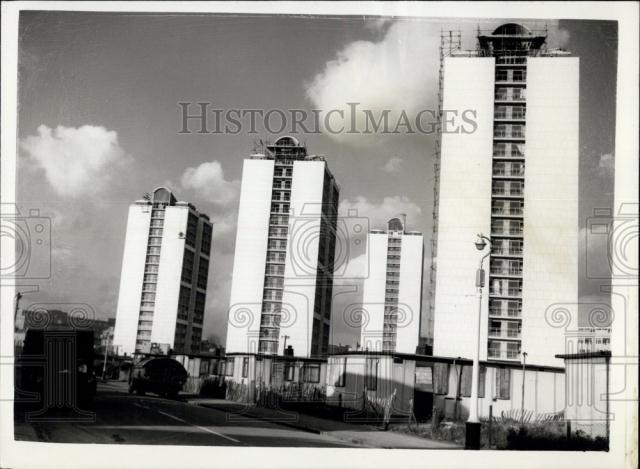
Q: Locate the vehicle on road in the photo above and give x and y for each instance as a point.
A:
(160, 375)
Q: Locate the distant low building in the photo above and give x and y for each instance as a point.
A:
(42, 318)
(594, 339)
(335, 349)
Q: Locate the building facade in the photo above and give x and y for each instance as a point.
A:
(392, 293)
(281, 289)
(165, 269)
(514, 178)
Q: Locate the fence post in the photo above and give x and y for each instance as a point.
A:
(490, 425)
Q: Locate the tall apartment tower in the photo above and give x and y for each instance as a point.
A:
(281, 290)
(165, 268)
(514, 179)
(392, 294)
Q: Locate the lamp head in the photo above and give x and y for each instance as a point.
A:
(480, 244)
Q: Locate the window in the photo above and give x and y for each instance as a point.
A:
(500, 149)
(501, 75)
(339, 372)
(183, 302)
(288, 371)
(245, 367)
(371, 374)
(503, 383)
(187, 266)
(466, 380)
(203, 273)
(311, 372)
(441, 378)
(205, 244)
(192, 229)
(228, 366)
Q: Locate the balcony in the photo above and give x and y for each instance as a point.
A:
(508, 172)
(511, 59)
(269, 334)
(506, 232)
(278, 233)
(270, 322)
(509, 116)
(506, 251)
(505, 272)
(508, 135)
(508, 155)
(510, 97)
(507, 192)
(512, 313)
(507, 212)
(506, 292)
(497, 354)
(272, 295)
(500, 333)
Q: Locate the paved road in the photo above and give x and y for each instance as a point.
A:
(130, 419)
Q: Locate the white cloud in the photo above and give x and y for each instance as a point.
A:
(397, 73)
(393, 165)
(76, 161)
(606, 165)
(378, 214)
(208, 180)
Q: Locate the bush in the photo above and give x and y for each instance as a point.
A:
(540, 438)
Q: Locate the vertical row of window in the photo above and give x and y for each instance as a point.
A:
(276, 252)
(150, 279)
(392, 289)
(325, 267)
(507, 209)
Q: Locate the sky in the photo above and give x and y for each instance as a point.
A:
(99, 126)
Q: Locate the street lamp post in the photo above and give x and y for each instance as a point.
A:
(524, 363)
(17, 299)
(284, 345)
(473, 426)
(106, 357)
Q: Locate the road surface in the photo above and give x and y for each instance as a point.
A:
(119, 417)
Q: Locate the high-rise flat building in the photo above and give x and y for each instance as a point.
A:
(392, 293)
(513, 178)
(281, 290)
(165, 268)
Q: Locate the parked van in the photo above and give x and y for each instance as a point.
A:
(160, 375)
